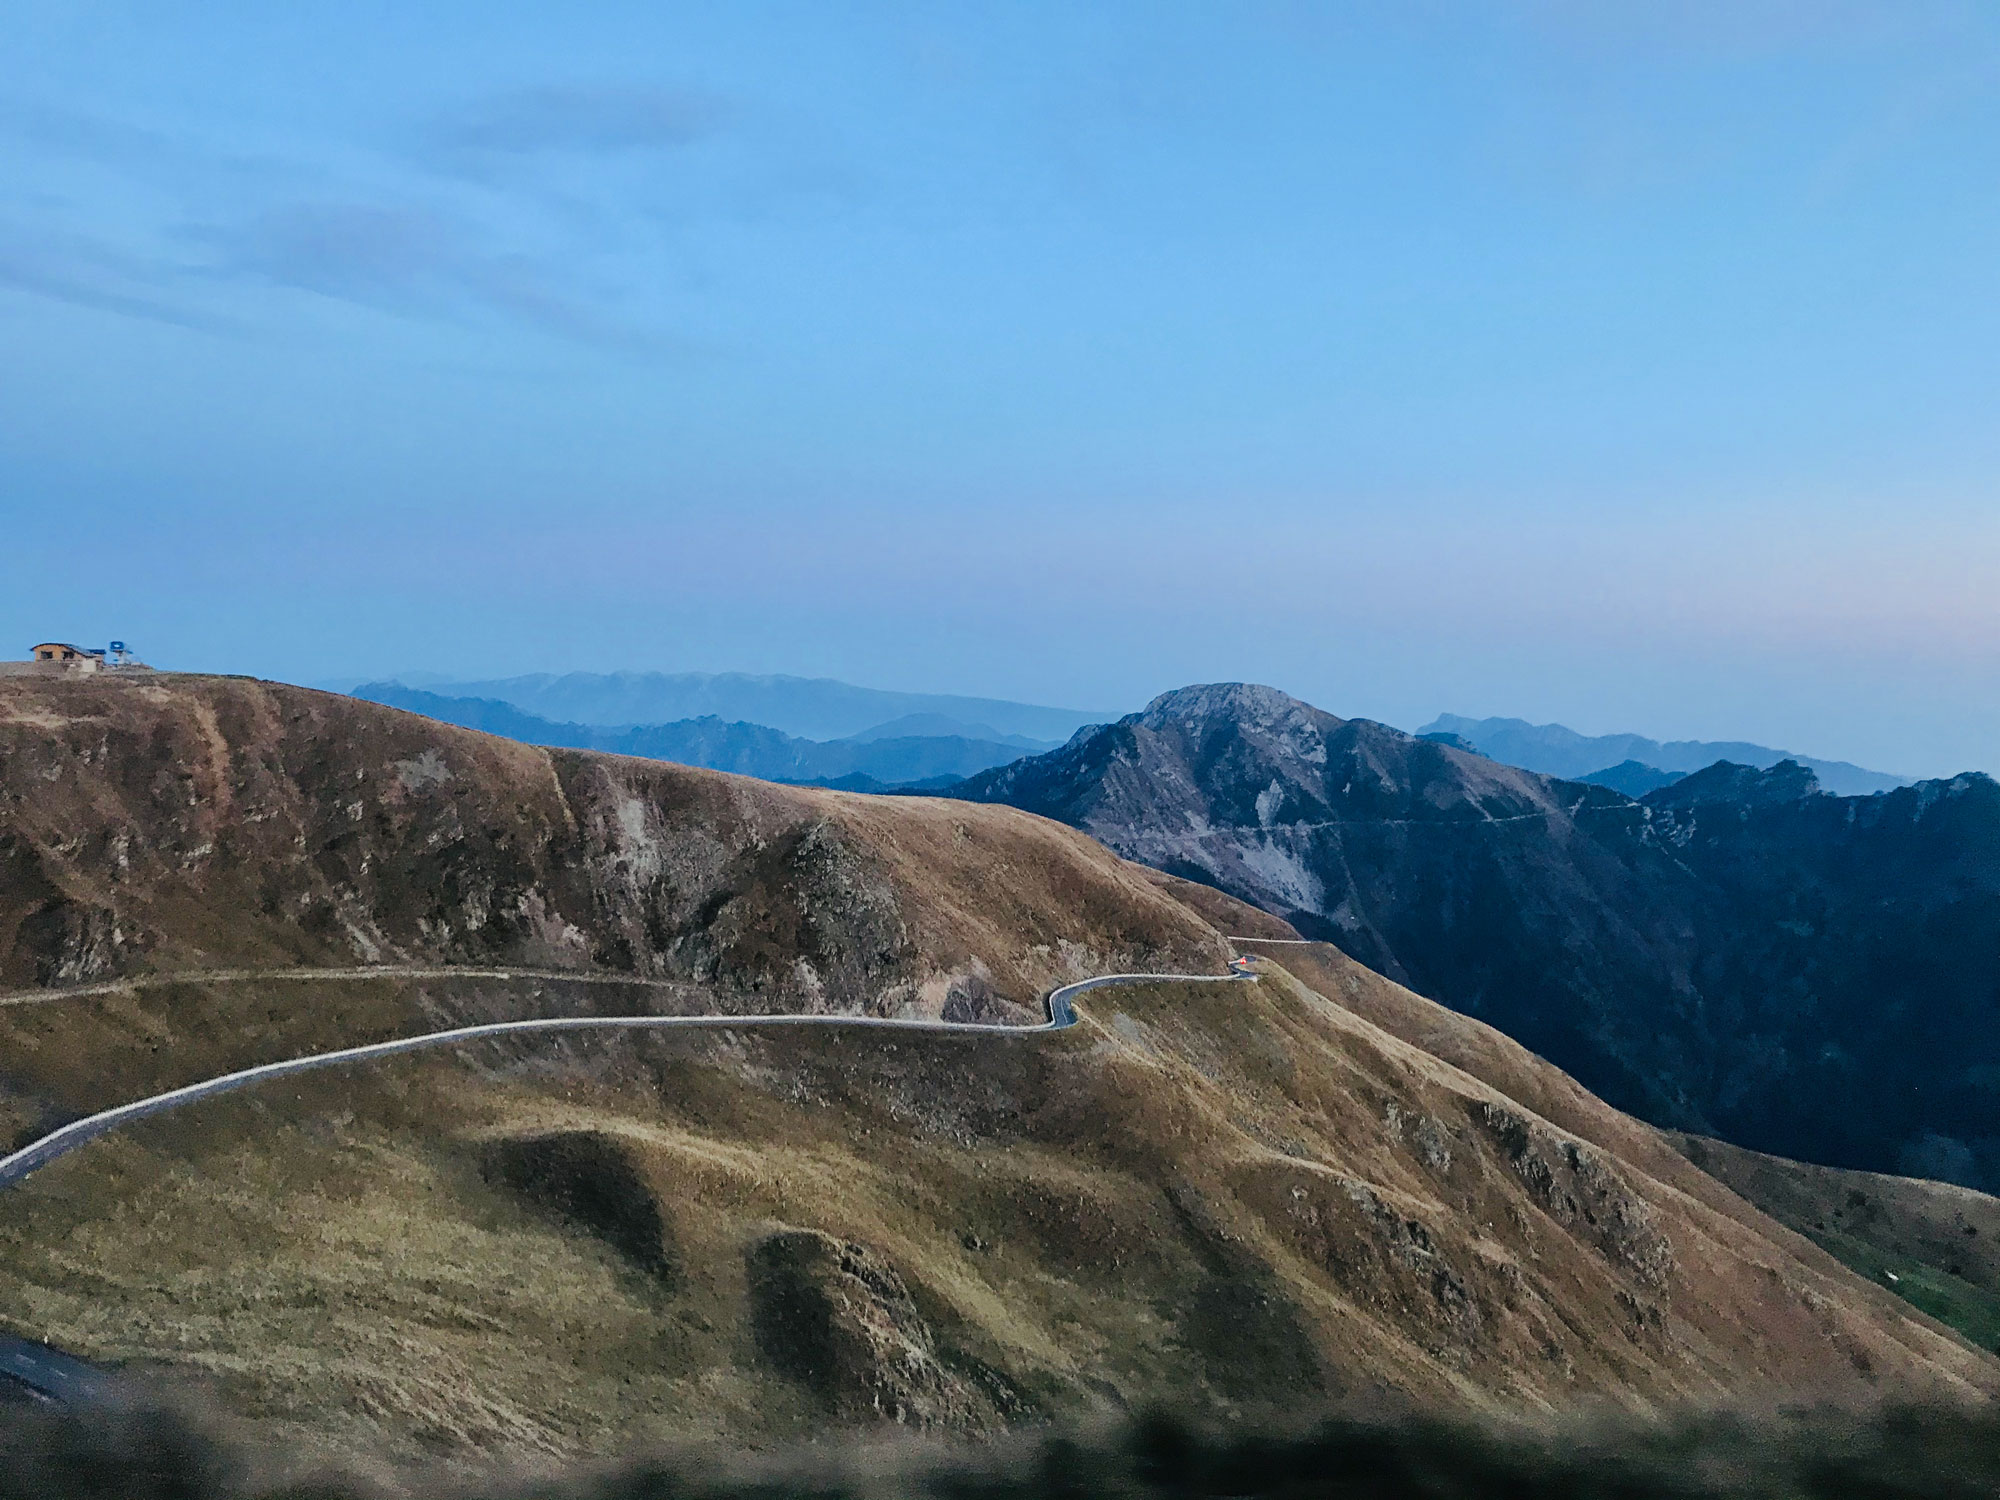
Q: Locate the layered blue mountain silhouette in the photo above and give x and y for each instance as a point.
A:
(1555, 750)
(816, 708)
(888, 755)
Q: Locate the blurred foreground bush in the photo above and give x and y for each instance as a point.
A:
(1895, 1452)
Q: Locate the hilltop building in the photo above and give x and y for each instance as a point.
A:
(52, 658)
(74, 658)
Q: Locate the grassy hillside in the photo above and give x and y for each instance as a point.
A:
(1934, 1244)
(1244, 1197)
(190, 822)
(1249, 1199)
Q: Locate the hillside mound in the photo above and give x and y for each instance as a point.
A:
(1244, 1197)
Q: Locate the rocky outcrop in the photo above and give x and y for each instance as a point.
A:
(1381, 1253)
(834, 1316)
(1582, 1192)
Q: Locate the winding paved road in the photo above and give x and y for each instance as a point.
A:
(46, 1374)
(61, 1142)
(52, 1375)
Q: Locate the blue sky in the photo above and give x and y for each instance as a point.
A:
(1634, 366)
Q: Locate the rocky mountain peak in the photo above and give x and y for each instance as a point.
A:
(1248, 704)
(1741, 954)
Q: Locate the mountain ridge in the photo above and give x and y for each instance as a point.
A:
(1245, 1198)
(1737, 954)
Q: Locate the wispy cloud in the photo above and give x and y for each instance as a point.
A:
(492, 210)
(356, 251)
(412, 260)
(85, 273)
(66, 132)
(595, 119)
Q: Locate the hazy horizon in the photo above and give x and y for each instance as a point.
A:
(1631, 371)
(451, 685)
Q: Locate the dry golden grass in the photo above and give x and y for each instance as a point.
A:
(1245, 1197)
(215, 822)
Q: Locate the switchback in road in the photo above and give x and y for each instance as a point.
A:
(60, 1142)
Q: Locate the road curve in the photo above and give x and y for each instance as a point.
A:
(60, 1142)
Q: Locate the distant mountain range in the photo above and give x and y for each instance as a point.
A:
(879, 760)
(1739, 953)
(1633, 777)
(815, 708)
(1558, 751)
(823, 709)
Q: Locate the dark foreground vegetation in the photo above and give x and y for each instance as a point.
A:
(1897, 1452)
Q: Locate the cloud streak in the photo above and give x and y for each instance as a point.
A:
(410, 260)
(491, 134)
(160, 227)
(78, 271)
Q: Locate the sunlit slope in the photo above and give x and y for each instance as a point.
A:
(188, 822)
(1242, 1197)
(1935, 1244)
(1236, 1196)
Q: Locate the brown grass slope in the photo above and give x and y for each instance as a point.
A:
(1940, 1241)
(1245, 1197)
(187, 822)
(1935, 1243)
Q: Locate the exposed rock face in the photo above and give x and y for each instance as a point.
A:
(1468, 880)
(835, 1315)
(1736, 953)
(1583, 1193)
(1384, 1254)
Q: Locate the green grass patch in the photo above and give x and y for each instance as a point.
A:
(1954, 1302)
